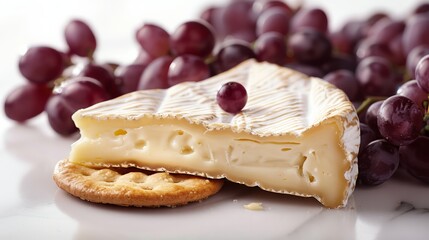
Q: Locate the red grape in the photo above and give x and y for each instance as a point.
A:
(314, 18)
(248, 36)
(271, 47)
(26, 101)
(377, 162)
(371, 116)
(412, 91)
(376, 77)
(422, 73)
(101, 74)
(155, 76)
(263, 6)
(80, 38)
(238, 16)
(385, 30)
(422, 8)
(273, 20)
(416, 33)
(400, 120)
(415, 158)
(232, 54)
(196, 38)
(369, 47)
(309, 46)
(341, 43)
(41, 64)
(144, 58)
(346, 81)
(367, 135)
(232, 97)
(414, 57)
(187, 68)
(339, 61)
(128, 77)
(153, 39)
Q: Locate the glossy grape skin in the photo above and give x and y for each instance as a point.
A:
(414, 57)
(346, 81)
(41, 64)
(314, 18)
(400, 120)
(238, 16)
(273, 20)
(309, 46)
(367, 135)
(262, 6)
(376, 77)
(187, 68)
(271, 47)
(232, 97)
(74, 94)
(414, 157)
(128, 77)
(422, 73)
(155, 76)
(193, 37)
(415, 33)
(101, 74)
(372, 115)
(80, 38)
(412, 91)
(386, 29)
(153, 39)
(378, 161)
(233, 54)
(369, 47)
(26, 101)
(143, 58)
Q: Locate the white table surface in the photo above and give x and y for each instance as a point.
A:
(32, 207)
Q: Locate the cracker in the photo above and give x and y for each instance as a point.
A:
(131, 186)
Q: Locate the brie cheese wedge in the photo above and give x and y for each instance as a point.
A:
(297, 134)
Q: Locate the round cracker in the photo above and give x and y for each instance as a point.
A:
(131, 186)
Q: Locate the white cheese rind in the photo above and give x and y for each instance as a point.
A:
(281, 104)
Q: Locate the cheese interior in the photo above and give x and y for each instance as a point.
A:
(273, 163)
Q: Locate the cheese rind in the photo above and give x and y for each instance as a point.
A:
(296, 135)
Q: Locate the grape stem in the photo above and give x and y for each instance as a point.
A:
(368, 101)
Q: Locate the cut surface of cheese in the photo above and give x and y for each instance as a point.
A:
(297, 134)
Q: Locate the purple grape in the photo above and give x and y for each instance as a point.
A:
(144, 58)
(412, 91)
(386, 29)
(309, 46)
(41, 64)
(271, 47)
(155, 76)
(422, 8)
(372, 115)
(232, 97)
(128, 77)
(196, 38)
(378, 162)
(376, 77)
(341, 43)
(263, 6)
(80, 38)
(74, 94)
(354, 31)
(422, 73)
(399, 120)
(26, 101)
(187, 68)
(153, 39)
(247, 36)
(416, 33)
(233, 54)
(238, 16)
(306, 69)
(313, 18)
(346, 81)
(273, 20)
(338, 62)
(369, 47)
(414, 157)
(104, 76)
(414, 57)
(367, 135)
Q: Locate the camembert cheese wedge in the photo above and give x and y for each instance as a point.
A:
(297, 134)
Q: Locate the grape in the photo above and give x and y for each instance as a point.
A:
(339, 61)
(273, 20)
(422, 73)
(376, 77)
(238, 16)
(397, 51)
(80, 38)
(271, 47)
(400, 120)
(369, 47)
(144, 58)
(422, 8)
(187, 68)
(371, 116)
(377, 162)
(341, 43)
(128, 77)
(41, 64)
(354, 31)
(367, 135)
(314, 18)
(414, 57)
(192, 37)
(309, 46)
(155, 76)
(232, 97)
(415, 158)
(346, 81)
(26, 101)
(385, 30)
(74, 94)
(412, 91)
(263, 6)
(306, 69)
(153, 39)
(248, 36)
(101, 74)
(416, 33)
(232, 54)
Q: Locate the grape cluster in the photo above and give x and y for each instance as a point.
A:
(381, 63)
